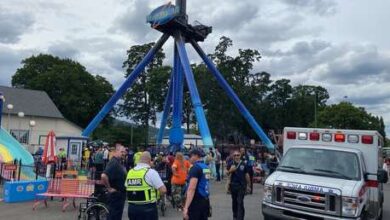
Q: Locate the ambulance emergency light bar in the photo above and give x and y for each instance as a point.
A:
(329, 137)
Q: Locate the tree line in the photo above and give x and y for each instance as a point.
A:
(275, 103)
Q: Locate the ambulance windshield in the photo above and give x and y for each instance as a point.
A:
(321, 162)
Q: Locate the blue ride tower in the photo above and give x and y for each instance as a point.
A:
(172, 21)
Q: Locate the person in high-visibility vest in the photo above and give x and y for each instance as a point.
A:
(143, 186)
(86, 155)
(137, 155)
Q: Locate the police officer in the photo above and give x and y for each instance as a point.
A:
(143, 185)
(197, 205)
(247, 157)
(239, 184)
(113, 177)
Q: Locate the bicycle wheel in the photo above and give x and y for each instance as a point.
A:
(163, 206)
(162, 209)
(82, 211)
(82, 216)
(97, 212)
(172, 201)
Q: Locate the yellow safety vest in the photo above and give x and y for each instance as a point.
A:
(138, 190)
(137, 157)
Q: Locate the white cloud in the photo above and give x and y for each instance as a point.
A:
(132, 22)
(341, 45)
(320, 7)
(13, 25)
(10, 60)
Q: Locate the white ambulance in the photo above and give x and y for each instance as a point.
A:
(327, 174)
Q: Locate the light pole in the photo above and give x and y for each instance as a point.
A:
(2, 99)
(9, 108)
(315, 109)
(131, 136)
(32, 125)
(20, 115)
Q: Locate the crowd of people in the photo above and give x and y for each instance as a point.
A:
(143, 184)
(386, 165)
(183, 178)
(141, 177)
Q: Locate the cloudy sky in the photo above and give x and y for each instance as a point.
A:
(339, 44)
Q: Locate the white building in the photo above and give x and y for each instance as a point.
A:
(189, 139)
(40, 115)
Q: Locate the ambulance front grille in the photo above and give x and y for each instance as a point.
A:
(308, 201)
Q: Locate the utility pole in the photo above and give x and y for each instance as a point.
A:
(1, 106)
(131, 136)
(315, 108)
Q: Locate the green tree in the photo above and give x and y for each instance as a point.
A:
(293, 106)
(382, 127)
(120, 132)
(78, 94)
(257, 91)
(278, 103)
(306, 101)
(188, 113)
(347, 116)
(146, 97)
(248, 86)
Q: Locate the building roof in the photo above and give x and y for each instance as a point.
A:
(31, 102)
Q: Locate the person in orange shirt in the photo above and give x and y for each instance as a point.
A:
(180, 169)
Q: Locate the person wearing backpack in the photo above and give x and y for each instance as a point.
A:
(197, 204)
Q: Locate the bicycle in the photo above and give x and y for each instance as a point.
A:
(95, 208)
(162, 200)
(161, 204)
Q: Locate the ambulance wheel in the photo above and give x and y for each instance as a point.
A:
(364, 215)
(381, 213)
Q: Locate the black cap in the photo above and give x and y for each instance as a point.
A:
(196, 151)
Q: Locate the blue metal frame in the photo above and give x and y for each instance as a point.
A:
(167, 109)
(175, 92)
(232, 95)
(196, 101)
(176, 134)
(129, 81)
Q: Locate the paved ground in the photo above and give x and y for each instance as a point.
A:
(221, 208)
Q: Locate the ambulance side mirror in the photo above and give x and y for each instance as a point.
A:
(383, 176)
(365, 176)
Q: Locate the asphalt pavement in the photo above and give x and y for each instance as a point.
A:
(221, 203)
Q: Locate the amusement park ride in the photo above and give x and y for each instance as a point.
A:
(172, 21)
